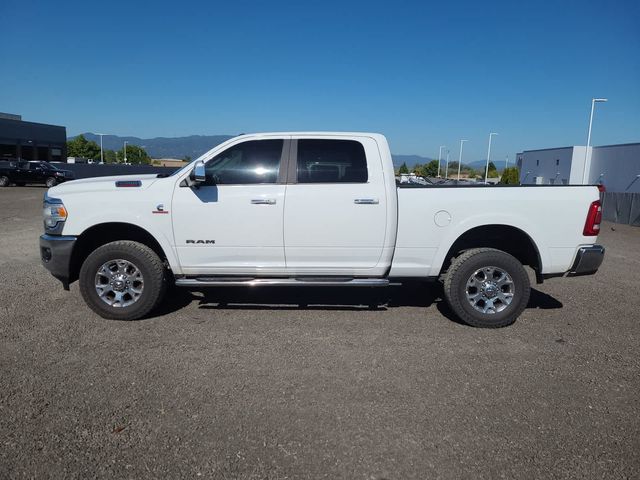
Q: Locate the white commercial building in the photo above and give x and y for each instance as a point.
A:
(615, 166)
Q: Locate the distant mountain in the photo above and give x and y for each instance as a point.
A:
(410, 160)
(195, 145)
(481, 164)
(163, 147)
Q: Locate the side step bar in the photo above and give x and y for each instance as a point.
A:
(276, 282)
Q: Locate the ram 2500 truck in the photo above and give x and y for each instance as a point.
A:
(313, 209)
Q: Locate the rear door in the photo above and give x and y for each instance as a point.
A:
(22, 173)
(232, 224)
(335, 214)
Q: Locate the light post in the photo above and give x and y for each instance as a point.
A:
(460, 157)
(446, 173)
(586, 151)
(125, 151)
(101, 154)
(486, 171)
(440, 158)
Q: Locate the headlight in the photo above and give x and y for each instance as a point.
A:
(53, 212)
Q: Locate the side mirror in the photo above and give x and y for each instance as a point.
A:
(198, 174)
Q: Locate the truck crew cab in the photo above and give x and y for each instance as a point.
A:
(313, 209)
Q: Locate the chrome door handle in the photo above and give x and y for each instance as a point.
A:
(366, 201)
(263, 201)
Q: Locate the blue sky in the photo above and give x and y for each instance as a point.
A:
(425, 74)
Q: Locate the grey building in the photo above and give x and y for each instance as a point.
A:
(617, 167)
(31, 141)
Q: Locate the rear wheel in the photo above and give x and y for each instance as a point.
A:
(50, 182)
(4, 181)
(122, 280)
(487, 288)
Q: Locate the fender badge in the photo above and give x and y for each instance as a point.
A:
(159, 209)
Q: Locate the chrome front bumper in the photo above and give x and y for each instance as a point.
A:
(588, 260)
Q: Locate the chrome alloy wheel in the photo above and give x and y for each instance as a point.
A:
(119, 283)
(490, 290)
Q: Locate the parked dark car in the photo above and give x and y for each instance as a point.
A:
(21, 173)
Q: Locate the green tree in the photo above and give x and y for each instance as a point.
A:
(403, 169)
(135, 155)
(428, 169)
(510, 176)
(81, 147)
(110, 156)
(493, 171)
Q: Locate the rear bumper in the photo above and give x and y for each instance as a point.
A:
(55, 253)
(588, 260)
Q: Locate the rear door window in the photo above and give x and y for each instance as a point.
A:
(331, 161)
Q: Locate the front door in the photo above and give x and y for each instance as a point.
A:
(335, 215)
(233, 224)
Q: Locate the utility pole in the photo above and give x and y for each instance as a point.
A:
(460, 158)
(101, 154)
(585, 178)
(440, 157)
(446, 173)
(486, 171)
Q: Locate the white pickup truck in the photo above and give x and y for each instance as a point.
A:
(313, 209)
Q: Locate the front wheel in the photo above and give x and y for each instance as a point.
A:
(122, 280)
(487, 288)
(50, 182)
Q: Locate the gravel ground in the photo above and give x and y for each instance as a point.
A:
(245, 384)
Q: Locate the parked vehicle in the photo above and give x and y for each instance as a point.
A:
(313, 209)
(34, 172)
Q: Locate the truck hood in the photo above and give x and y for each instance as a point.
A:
(104, 184)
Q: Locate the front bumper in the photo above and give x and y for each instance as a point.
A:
(55, 252)
(588, 260)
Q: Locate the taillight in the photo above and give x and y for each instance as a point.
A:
(594, 217)
(601, 188)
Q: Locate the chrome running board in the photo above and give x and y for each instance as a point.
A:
(277, 282)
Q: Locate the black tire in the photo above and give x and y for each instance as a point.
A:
(50, 182)
(461, 271)
(144, 259)
(4, 181)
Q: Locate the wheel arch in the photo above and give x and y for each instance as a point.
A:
(103, 233)
(507, 238)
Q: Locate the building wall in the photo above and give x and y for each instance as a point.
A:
(617, 166)
(32, 141)
(551, 166)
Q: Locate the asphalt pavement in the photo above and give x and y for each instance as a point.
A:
(277, 384)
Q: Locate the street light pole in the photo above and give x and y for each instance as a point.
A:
(101, 154)
(486, 171)
(460, 157)
(440, 158)
(446, 173)
(586, 151)
(125, 151)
